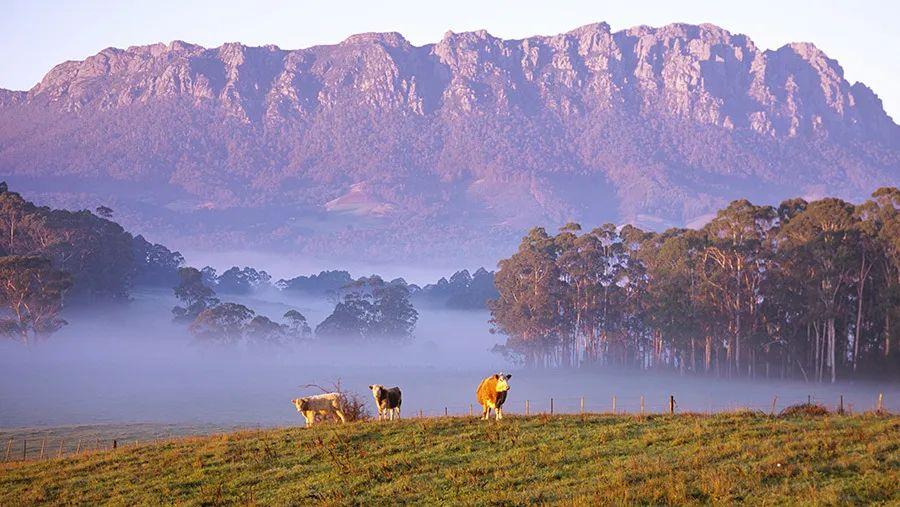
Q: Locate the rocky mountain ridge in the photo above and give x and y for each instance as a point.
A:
(372, 145)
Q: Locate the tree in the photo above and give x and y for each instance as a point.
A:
(194, 294)
(242, 281)
(349, 320)
(372, 310)
(528, 309)
(97, 253)
(297, 326)
(392, 316)
(31, 292)
(733, 266)
(263, 330)
(155, 265)
(224, 323)
(104, 212)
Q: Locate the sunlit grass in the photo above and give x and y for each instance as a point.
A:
(725, 458)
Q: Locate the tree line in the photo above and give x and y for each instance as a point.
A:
(367, 309)
(51, 258)
(805, 289)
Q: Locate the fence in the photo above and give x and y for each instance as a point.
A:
(48, 447)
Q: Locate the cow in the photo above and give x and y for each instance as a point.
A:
(387, 400)
(491, 394)
(328, 404)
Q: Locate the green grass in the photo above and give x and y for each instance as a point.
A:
(600, 459)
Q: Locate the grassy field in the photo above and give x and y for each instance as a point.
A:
(725, 458)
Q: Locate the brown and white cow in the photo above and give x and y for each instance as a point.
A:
(491, 394)
(387, 400)
(328, 404)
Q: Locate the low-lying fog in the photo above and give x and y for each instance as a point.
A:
(132, 364)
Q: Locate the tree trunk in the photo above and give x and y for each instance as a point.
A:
(833, 346)
(860, 288)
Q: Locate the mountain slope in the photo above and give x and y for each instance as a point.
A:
(375, 147)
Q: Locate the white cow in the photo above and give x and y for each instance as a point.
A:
(328, 404)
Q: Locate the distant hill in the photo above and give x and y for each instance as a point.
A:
(377, 149)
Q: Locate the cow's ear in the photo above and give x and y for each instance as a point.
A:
(496, 377)
(508, 376)
(370, 388)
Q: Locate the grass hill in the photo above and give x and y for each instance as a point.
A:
(595, 459)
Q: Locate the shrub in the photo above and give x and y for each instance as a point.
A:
(808, 409)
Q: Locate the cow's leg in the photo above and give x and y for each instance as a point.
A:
(310, 418)
(499, 413)
(485, 412)
(340, 414)
(391, 414)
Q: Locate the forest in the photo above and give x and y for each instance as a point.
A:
(805, 290)
(52, 259)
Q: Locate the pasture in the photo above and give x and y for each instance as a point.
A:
(723, 458)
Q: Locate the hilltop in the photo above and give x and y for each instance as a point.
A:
(720, 459)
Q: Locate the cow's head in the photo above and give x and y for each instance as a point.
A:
(502, 381)
(377, 391)
(302, 404)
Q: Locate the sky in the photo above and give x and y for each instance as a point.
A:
(35, 35)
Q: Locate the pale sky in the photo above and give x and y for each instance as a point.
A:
(35, 35)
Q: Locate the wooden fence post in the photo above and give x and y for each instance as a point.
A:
(445, 411)
(582, 405)
(551, 406)
(8, 447)
(24, 448)
(614, 405)
(642, 405)
(78, 447)
(774, 401)
(470, 410)
(880, 402)
(420, 413)
(671, 404)
(841, 405)
(44, 441)
(61, 442)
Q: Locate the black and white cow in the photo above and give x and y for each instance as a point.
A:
(387, 400)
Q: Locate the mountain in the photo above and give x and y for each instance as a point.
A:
(377, 149)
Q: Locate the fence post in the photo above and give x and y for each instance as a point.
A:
(526, 407)
(880, 402)
(841, 405)
(582, 405)
(420, 413)
(8, 447)
(642, 405)
(61, 442)
(614, 405)
(78, 447)
(445, 411)
(809, 399)
(24, 448)
(774, 401)
(44, 441)
(470, 410)
(115, 444)
(551, 406)
(671, 404)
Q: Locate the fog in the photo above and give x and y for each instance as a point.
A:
(132, 364)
